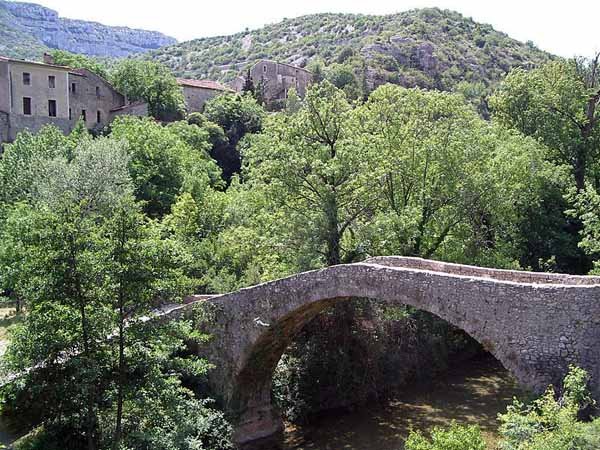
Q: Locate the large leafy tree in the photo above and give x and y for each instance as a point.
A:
(312, 168)
(166, 161)
(237, 115)
(92, 265)
(153, 83)
(559, 105)
(454, 186)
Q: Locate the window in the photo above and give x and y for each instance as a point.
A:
(84, 115)
(26, 78)
(52, 108)
(51, 81)
(70, 114)
(73, 87)
(265, 69)
(26, 106)
(97, 91)
(98, 117)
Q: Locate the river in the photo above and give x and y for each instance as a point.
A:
(473, 393)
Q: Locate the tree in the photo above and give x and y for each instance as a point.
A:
(557, 104)
(93, 267)
(248, 83)
(237, 115)
(150, 82)
(313, 169)
(76, 61)
(166, 161)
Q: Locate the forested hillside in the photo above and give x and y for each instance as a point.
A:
(426, 47)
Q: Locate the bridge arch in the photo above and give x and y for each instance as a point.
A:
(534, 324)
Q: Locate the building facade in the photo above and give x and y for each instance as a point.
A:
(274, 81)
(34, 94)
(197, 92)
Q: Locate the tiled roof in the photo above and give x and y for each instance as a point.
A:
(203, 84)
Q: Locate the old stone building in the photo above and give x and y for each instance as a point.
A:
(274, 80)
(197, 92)
(34, 94)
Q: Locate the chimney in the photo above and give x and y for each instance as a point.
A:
(48, 58)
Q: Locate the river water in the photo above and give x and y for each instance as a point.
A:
(473, 393)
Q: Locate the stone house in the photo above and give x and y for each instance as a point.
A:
(34, 94)
(197, 92)
(275, 80)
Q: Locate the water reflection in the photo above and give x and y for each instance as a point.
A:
(471, 394)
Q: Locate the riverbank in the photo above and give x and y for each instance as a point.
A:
(473, 393)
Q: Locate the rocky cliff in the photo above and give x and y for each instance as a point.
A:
(43, 28)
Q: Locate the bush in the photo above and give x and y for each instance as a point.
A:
(456, 437)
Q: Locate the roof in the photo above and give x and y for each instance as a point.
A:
(204, 84)
(129, 105)
(34, 63)
(281, 64)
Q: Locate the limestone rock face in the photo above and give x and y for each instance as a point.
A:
(78, 36)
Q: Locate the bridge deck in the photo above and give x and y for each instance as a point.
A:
(515, 276)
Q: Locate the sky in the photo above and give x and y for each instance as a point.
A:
(566, 28)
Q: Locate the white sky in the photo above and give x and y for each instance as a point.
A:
(566, 28)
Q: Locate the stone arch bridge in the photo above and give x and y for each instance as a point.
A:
(535, 324)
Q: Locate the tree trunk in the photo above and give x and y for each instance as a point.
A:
(333, 233)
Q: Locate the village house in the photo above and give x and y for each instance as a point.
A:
(274, 80)
(197, 92)
(34, 94)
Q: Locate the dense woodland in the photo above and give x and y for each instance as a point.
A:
(98, 230)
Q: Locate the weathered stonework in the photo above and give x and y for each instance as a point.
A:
(534, 324)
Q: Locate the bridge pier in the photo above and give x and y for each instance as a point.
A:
(259, 427)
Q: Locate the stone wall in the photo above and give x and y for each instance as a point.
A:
(94, 95)
(18, 123)
(39, 90)
(138, 109)
(4, 87)
(4, 128)
(196, 97)
(279, 78)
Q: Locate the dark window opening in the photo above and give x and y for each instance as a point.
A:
(265, 69)
(73, 87)
(97, 91)
(26, 78)
(51, 81)
(26, 106)
(84, 115)
(98, 117)
(70, 114)
(52, 108)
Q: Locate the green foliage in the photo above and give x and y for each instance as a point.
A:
(391, 47)
(553, 105)
(587, 209)
(166, 161)
(456, 437)
(64, 58)
(237, 115)
(151, 82)
(550, 422)
(91, 265)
